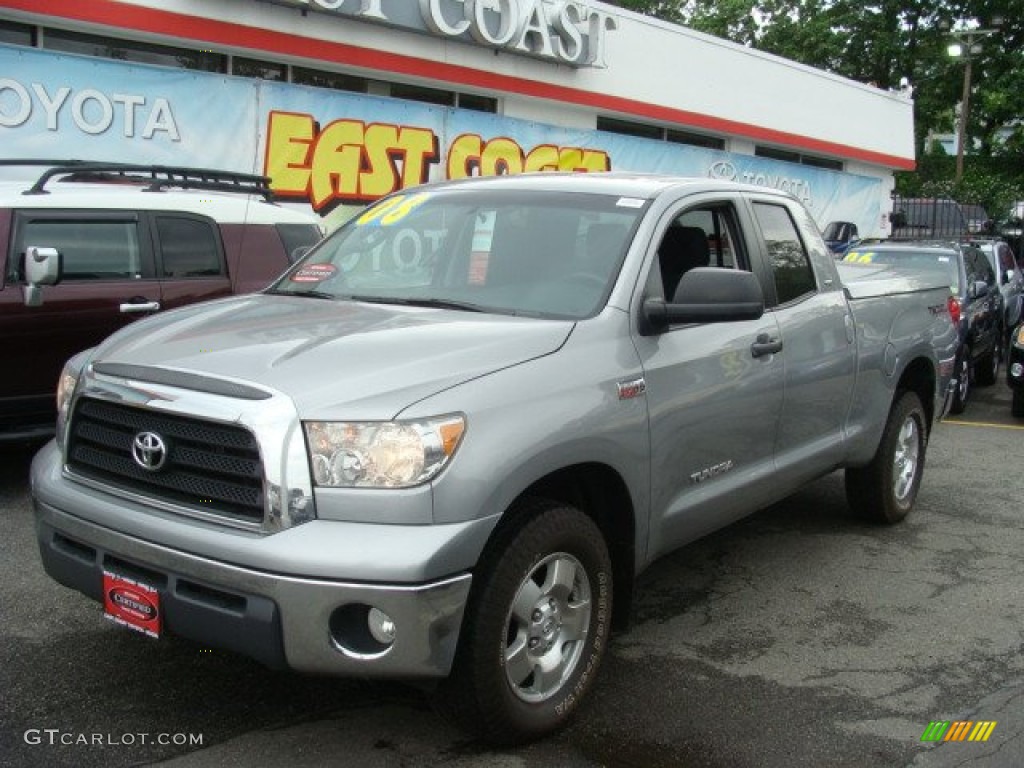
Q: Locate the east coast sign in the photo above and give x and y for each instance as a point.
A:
(563, 31)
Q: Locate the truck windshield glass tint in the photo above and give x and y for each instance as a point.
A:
(507, 252)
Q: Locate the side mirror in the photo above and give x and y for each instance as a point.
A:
(42, 267)
(980, 289)
(707, 295)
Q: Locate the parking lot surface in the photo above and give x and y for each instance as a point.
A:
(800, 636)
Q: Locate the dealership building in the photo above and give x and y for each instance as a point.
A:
(342, 101)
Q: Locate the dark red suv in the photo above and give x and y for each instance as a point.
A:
(132, 240)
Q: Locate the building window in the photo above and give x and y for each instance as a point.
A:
(320, 79)
(657, 132)
(822, 162)
(133, 51)
(694, 139)
(795, 157)
(476, 103)
(261, 70)
(419, 93)
(614, 125)
(17, 34)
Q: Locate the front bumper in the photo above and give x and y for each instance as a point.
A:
(281, 621)
(312, 624)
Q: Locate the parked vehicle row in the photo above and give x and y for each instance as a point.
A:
(132, 241)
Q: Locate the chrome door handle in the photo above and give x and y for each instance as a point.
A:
(134, 309)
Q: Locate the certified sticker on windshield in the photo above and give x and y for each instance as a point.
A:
(314, 273)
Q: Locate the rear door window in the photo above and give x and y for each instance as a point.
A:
(791, 265)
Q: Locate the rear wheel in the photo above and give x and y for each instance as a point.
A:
(885, 490)
(963, 382)
(536, 627)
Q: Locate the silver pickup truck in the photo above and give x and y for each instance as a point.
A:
(442, 447)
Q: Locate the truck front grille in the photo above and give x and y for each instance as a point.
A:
(199, 464)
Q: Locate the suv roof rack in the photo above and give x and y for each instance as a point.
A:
(156, 177)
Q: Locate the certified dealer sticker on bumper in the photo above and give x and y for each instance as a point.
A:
(131, 604)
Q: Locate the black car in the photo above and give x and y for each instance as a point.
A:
(1015, 371)
(975, 305)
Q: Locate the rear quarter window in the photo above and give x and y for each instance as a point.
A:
(189, 247)
(298, 239)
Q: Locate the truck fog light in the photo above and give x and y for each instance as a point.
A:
(361, 631)
(1016, 370)
(382, 627)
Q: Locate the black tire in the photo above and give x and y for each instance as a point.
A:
(553, 561)
(963, 384)
(1017, 406)
(885, 490)
(986, 370)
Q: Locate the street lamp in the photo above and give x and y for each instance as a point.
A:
(967, 43)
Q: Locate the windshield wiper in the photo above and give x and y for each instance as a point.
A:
(309, 293)
(425, 302)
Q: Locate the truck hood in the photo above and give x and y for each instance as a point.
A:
(335, 359)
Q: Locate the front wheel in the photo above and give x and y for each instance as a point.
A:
(886, 488)
(536, 626)
(1017, 406)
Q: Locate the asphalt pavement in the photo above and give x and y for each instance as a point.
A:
(800, 636)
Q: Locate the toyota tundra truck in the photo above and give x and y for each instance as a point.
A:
(444, 444)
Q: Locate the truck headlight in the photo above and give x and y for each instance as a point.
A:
(375, 454)
(65, 388)
(66, 384)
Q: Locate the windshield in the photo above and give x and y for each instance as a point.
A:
(551, 254)
(942, 262)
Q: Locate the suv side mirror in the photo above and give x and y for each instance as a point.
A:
(980, 289)
(42, 267)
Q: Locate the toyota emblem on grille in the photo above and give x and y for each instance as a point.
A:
(149, 451)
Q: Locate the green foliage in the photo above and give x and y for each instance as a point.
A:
(995, 183)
